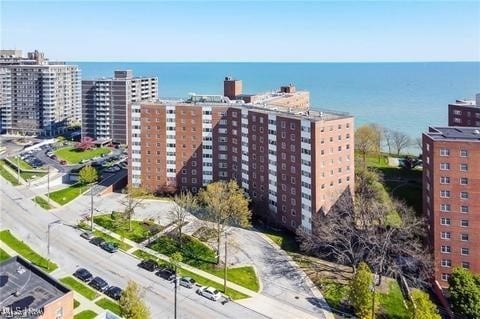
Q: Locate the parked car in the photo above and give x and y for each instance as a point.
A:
(114, 292)
(209, 292)
(87, 235)
(166, 273)
(83, 274)
(99, 284)
(63, 162)
(110, 247)
(187, 282)
(150, 265)
(97, 241)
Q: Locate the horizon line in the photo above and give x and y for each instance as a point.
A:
(228, 61)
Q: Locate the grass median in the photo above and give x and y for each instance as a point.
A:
(6, 174)
(25, 251)
(42, 202)
(67, 194)
(108, 304)
(80, 287)
(121, 245)
(141, 230)
(3, 255)
(86, 314)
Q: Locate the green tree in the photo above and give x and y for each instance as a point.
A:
(88, 175)
(184, 204)
(422, 307)
(464, 288)
(360, 294)
(131, 304)
(367, 140)
(226, 205)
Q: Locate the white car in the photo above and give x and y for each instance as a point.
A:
(209, 292)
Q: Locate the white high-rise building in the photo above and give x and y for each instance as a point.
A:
(45, 95)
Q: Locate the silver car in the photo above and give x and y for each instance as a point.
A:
(187, 282)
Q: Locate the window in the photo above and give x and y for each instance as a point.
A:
(444, 152)
(445, 193)
(464, 237)
(59, 313)
(463, 153)
(465, 251)
(445, 207)
(446, 263)
(445, 277)
(446, 249)
(464, 223)
(463, 181)
(444, 166)
(466, 264)
(464, 195)
(446, 235)
(464, 167)
(445, 221)
(444, 180)
(464, 209)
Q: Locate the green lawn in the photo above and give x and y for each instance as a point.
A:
(79, 287)
(391, 303)
(76, 303)
(86, 314)
(284, 239)
(140, 230)
(235, 295)
(411, 193)
(199, 255)
(42, 202)
(108, 304)
(121, 245)
(65, 195)
(31, 175)
(143, 255)
(335, 293)
(6, 174)
(24, 250)
(73, 156)
(3, 255)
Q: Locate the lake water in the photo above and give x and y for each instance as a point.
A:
(402, 96)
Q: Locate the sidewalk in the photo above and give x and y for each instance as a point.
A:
(264, 305)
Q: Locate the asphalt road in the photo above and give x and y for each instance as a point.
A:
(69, 251)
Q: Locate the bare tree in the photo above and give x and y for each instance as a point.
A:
(400, 140)
(183, 205)
(419, 143)
(134, 199)
(387, 138)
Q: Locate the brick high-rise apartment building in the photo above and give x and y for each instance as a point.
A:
(465, 112)
(45, 96)
(105, 102)
(451, 197)
(292, 164)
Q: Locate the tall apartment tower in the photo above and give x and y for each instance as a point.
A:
(5, 100)
(105, 101)
(451, 197)
(292, 164)
(45, 96)
(232, 88)
(465, 112)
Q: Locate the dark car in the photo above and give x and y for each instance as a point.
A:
(150, 265)
(83, 274)
(110, 247)
(97, 241)
(114, 292)
(166, 273)
(99, 284)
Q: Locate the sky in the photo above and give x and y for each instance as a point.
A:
(264, 31)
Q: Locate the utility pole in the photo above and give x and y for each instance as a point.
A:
(175, 306)
(18, 169)
(225, 267)
(48, 240)
(91, 207)
(48, 184)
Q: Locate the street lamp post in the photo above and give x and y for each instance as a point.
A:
(48, 184)
(48, 239)
(225, 267)
(91, 207)
(18, 169)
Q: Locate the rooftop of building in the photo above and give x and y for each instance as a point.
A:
(25, 286)
(468, 102)
(454, 133)
(120, 75)
(219, 100)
